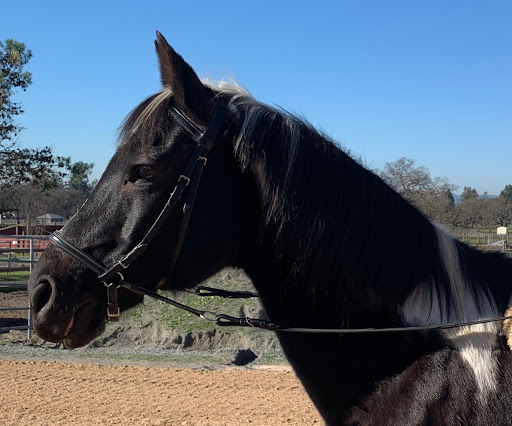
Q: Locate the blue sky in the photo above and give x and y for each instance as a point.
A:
(429, 80)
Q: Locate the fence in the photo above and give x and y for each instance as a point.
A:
(11, 246)
(485, 238)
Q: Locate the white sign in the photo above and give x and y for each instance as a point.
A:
(502, 230)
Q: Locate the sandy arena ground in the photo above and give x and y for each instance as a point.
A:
(50, 393)
(62, 393)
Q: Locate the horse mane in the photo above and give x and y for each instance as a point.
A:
(335, 226)
(339, 227)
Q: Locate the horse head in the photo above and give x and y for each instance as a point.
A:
(156, 143)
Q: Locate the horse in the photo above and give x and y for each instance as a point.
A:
(326, 243)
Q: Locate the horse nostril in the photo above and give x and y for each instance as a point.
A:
(42, 295)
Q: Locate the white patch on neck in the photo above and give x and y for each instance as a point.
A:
(475, 343)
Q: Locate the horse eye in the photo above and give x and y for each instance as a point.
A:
(145, 172)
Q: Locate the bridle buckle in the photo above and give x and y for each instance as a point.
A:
(113, 312)
(186, 178)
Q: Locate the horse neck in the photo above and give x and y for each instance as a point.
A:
(314, 267)
(336, 371)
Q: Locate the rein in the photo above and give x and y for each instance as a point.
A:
(228, 320)
(113, 277)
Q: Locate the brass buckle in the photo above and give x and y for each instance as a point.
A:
(113, 312)
(203, 159)
(186, 178)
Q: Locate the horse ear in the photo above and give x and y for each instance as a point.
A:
(189, 94)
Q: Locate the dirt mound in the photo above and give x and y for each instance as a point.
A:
(154, 324)
(128, 334)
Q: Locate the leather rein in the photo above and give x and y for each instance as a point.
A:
(113, 277)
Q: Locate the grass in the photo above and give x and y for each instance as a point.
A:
(272, 358)
(156, 324)
(18, 277)
(13, 277)
(173, 318)
(128, 356)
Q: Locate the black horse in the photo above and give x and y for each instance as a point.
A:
(326, 243)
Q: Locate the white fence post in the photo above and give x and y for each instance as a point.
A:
(29, 319)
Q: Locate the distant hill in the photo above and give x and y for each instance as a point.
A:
(456, 197)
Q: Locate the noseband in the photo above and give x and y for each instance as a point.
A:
(113, 277)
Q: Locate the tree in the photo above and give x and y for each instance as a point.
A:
(407, 179)
(507, 192)
(471, 208)
(64, 202)
(498, 211)
(414, 182)
(438, 206)
(25, 174)
(79, 176)
(468, 193)
(30, 178)
(13, 57)
(37, 167)
(27, 199)
(471, 212)
(20, 166)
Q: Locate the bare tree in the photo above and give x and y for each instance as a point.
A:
(431, 195)
(472, 212)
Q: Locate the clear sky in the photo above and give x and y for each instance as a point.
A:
(429, 80)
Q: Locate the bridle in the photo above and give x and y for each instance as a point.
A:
(113, 277)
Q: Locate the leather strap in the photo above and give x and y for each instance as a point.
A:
(113, 277)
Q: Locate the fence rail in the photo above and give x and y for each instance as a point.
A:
(13, 286)
(19, 250)
(18, 327)
(20, 244)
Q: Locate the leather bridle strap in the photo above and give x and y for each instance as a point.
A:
(113, 277)
(59, 241)
(140, 248)
(192, 173)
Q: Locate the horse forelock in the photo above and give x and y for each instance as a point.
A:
(149, 115)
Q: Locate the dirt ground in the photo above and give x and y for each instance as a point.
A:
(46, 392)
(14, 299)
(43, 393)
(9, 318)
